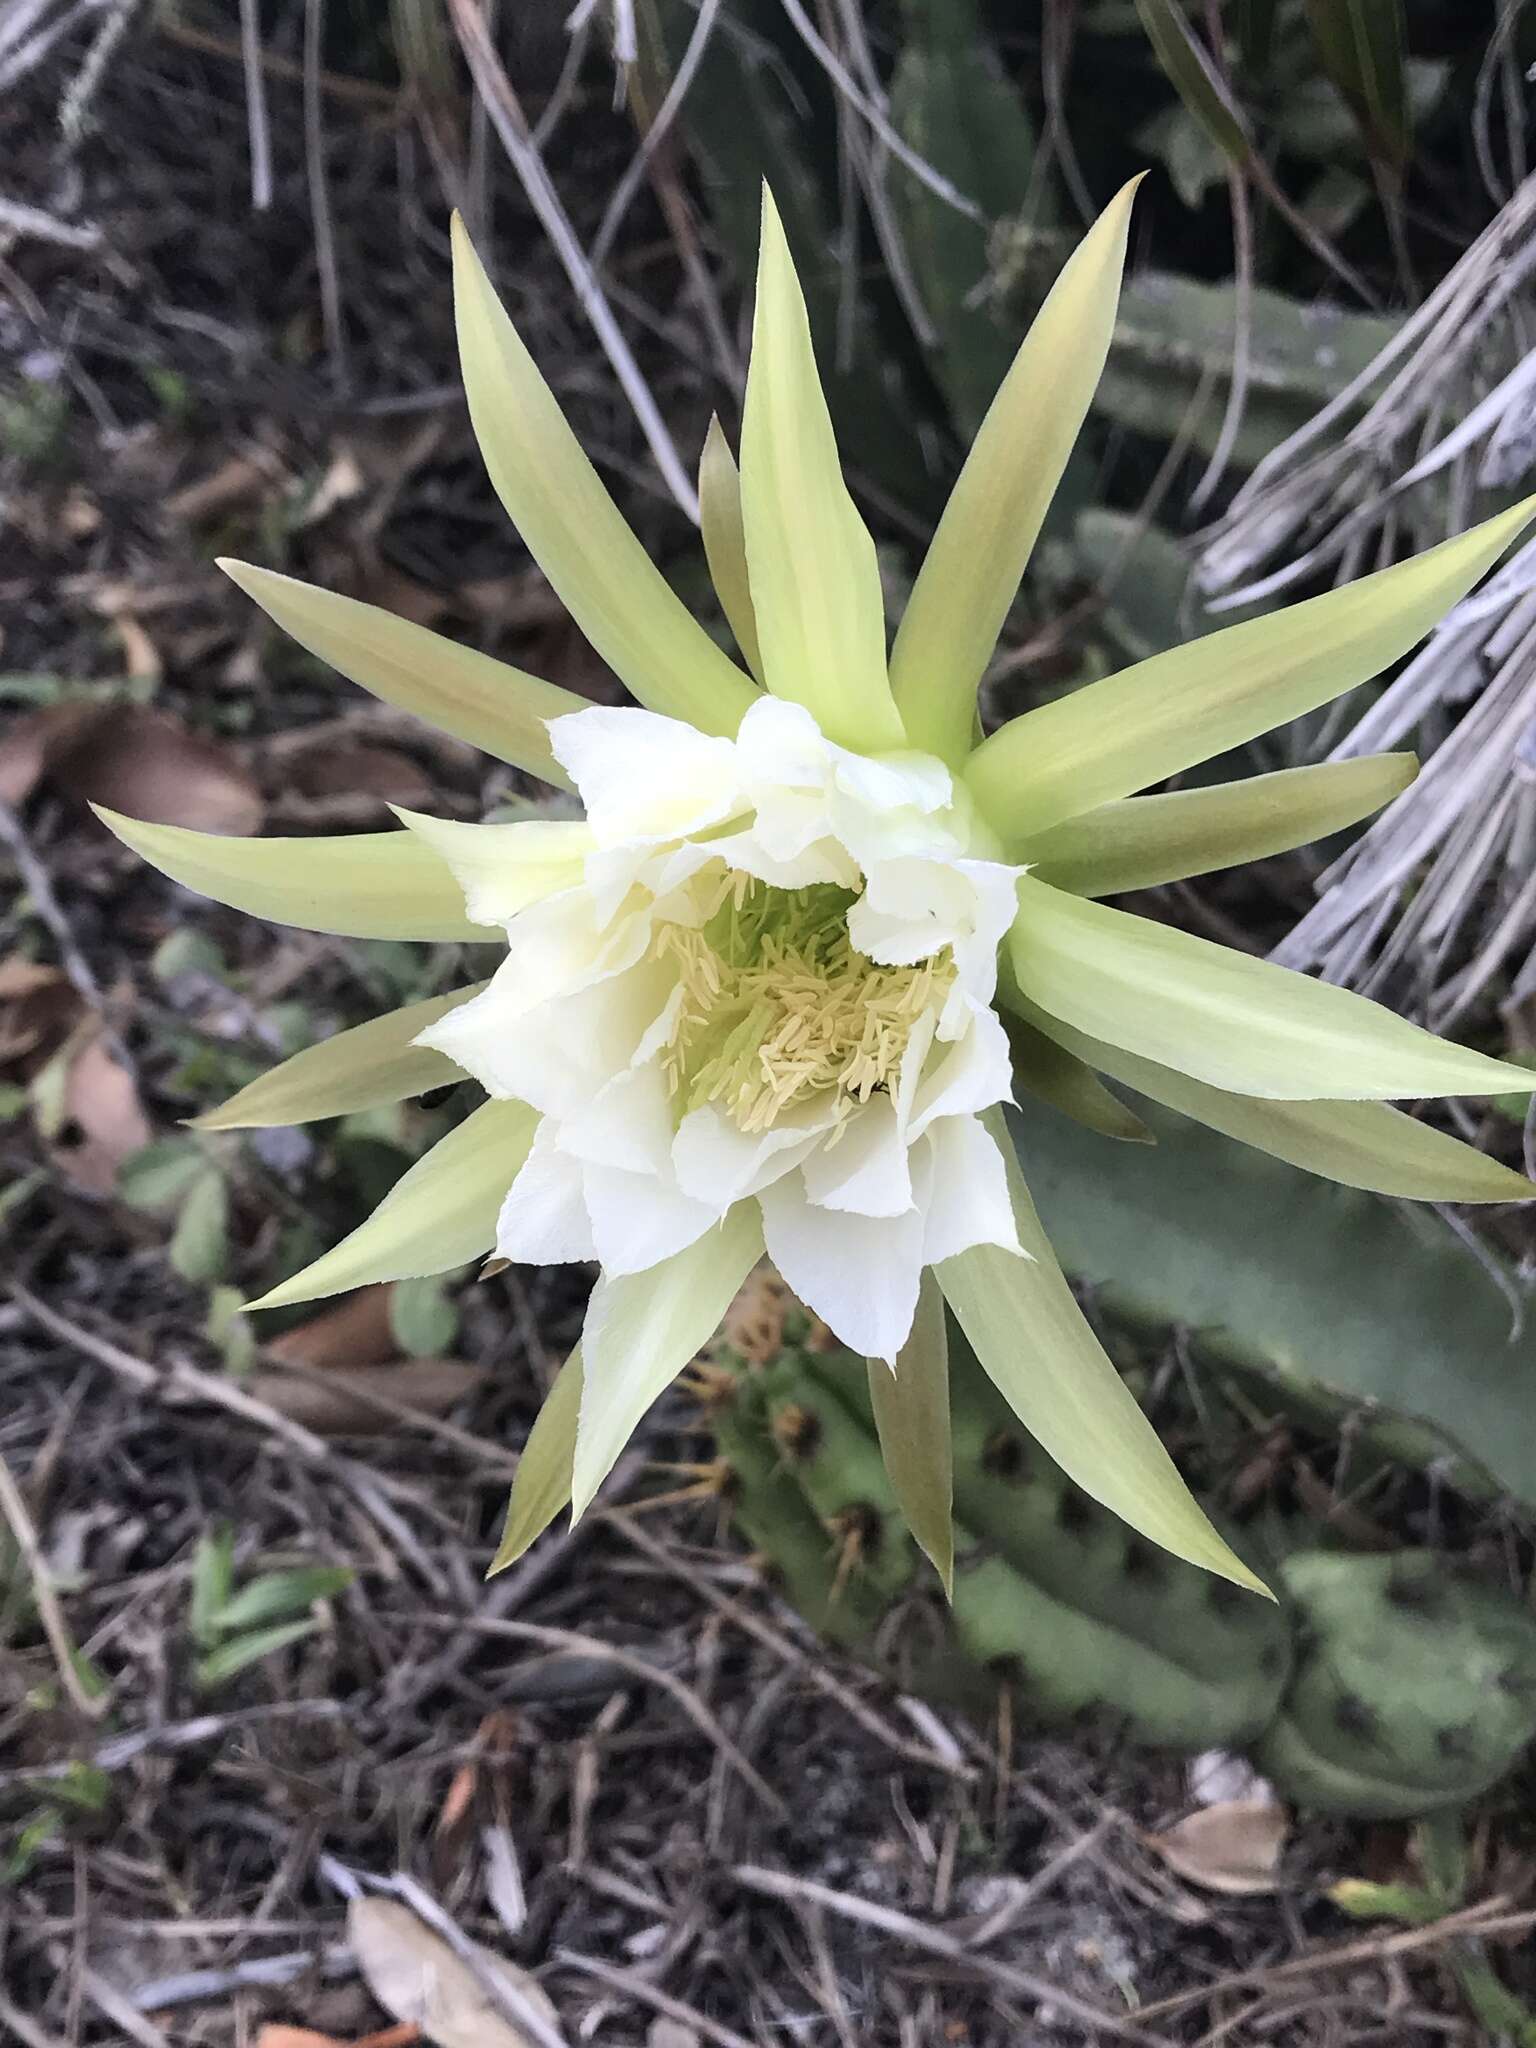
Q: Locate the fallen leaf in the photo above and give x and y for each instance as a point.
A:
(414, 1974)
(338, 1404)
(150, 766)
(354, 768)
(241, 480)
(37, 1007)
(356, 1332)
(1234, 1847)
(103, 1120)
(32, 742)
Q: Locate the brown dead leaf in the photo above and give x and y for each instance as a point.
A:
(32, 742)
(1234, 1847)
(150, 766)
(355, 768)
(414, 1974)
(104, 1121)
(242, 480)
(38, 1005)
(354, 1333)
(338, 1404)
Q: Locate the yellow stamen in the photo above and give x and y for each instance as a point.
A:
(779, 1009)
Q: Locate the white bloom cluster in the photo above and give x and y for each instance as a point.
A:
(770, 979)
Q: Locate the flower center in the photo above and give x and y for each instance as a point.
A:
(779, 1009)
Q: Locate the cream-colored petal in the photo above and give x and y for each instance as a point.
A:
(971, 572)
(500, 709)
(1132, 730)
(911, 1407)
(371, 885)
(440, 1214)
(571, 526)
(815, 580)
(642, 1330)
(364, 1068)
(504, 868)
(542, 1485)
(1029, 1334)
(725, 542)
(1225, 1018)
(1143, 841)
(1360, 1144)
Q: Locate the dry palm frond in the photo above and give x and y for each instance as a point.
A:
(1437, 901)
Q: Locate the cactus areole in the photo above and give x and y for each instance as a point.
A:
(774, 988)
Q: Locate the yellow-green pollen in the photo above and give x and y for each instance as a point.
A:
(779, 1009)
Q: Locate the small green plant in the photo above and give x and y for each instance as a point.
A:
(236, 1626)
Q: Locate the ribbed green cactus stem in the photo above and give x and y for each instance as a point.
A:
(1414, 1688)
(1379, 1686)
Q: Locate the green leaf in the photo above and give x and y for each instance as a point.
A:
(572, 527)
(911, 1408)
(1363, 48)
(229, 1328)
(1189, 70)
(440, 1214)
(368, 1067)
(421, 1316)
(1141, 842)
(1223, 1017)
(213, 1577)
(542, 1484)
(502, 710)
(725, 542)
(387, 885)
(276, 1595)
(222, 1664)
(970, 574)
(160, 1175)
(1019, 1318)
(199, 1244)
(815, 580)
(1166, 714)
(1359, 1144)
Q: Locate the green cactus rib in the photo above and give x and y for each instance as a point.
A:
(1414, 1691)
(1379, 1687)
(1339, 1301)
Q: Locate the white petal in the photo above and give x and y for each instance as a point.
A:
(970, 1075)
(865, 1170)
(716, 1162)
(642, 776)
(966, 1199)
(557, 1055)
(543, 1221)
(910, 910)
(638, 1220)
(860, 1274)
(627, 1124)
